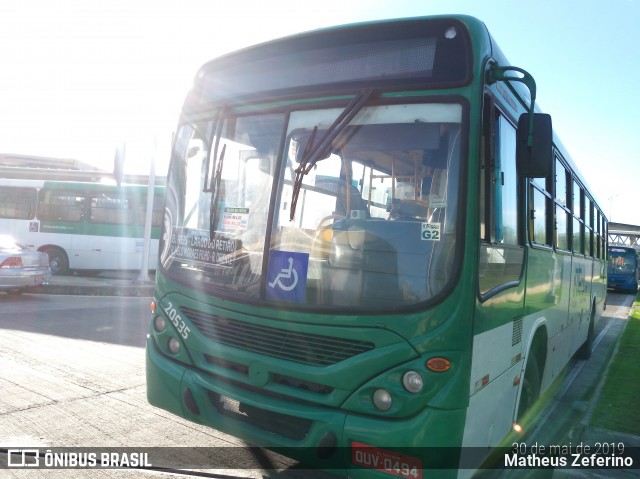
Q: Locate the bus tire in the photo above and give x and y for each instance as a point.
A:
(58, 261)
(530, 386)
(584, 351)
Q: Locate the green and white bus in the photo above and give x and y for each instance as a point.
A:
(81, 225)
(372, 248)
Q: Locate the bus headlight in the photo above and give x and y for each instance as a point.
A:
(174, 345)
(412, 382)
(159, 324)
(382, 399)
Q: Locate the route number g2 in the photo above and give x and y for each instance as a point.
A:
(431, 231)
(176, 319)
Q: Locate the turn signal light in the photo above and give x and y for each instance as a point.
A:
(439, 365)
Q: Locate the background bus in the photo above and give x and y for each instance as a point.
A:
(623, 269)
(366, 255)
(81, 226)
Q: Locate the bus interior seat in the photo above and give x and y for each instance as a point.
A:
(372, 262)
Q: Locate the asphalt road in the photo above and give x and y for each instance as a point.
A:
(72, 375)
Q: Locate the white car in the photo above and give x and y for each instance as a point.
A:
(21, 268)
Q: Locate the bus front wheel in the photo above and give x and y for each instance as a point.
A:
(58, 261)
(530, 386)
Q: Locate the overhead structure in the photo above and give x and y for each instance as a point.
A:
(624, 235)
(28, 167)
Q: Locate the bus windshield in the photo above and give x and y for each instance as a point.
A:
(622, 261)
(370, 224)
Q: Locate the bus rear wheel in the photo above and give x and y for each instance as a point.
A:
(584, 352)
(58, 261)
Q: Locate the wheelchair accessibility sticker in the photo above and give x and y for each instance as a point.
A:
(287, 276)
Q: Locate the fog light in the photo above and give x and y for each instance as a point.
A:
(158, 323)
(174, 345)
(412, 382)
(382, 399)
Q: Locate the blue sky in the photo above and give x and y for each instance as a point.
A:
(80, 77)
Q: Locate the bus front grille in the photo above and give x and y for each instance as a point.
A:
(282, 379)
(283, 425)
(313, 349)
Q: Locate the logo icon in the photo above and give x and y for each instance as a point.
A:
(287, 275)
(23, 457)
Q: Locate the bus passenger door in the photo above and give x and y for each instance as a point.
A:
(498, 322)
(110, 220)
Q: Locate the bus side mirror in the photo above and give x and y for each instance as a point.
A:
(535, 160)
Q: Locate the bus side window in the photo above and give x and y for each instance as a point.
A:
(140, 206)
(561, 239)
(538, 216)
(506, 181)
(17, 203)
(501, 254)
(61, 205)
(110, 209)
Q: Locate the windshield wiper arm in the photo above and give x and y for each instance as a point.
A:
(314, 153)
(302, 170)
(213, 185)
(218, 123)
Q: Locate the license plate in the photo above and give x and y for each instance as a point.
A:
(385, 460)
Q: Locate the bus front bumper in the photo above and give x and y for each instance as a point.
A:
(325, 438)
(623, 283)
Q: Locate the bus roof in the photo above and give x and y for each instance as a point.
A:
(280, 64)
(429, 52)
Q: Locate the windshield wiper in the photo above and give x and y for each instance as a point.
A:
(218, 123)
(213, 186)
(316, 152)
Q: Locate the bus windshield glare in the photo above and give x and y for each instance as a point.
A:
(375, 214)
